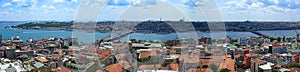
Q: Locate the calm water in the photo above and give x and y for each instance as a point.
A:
(39, 34)
(280, 33)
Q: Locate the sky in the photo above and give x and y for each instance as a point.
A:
(141, 10)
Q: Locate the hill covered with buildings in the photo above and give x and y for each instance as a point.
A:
(161, 26)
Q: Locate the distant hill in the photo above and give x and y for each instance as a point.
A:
(163, 26)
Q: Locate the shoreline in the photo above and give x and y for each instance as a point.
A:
(161, 26)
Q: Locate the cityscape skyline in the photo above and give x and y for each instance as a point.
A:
(149, 35)
(141, 10)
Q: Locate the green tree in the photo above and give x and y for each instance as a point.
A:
(294, 66)
(65, 47)
(224, 70)
(272, 38)
(278, 39)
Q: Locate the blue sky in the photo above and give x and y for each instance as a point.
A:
(139, 10)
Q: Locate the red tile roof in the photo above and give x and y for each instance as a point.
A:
(41, 60)
(114, 68)
(149, 67)
(99, 71)
(189, 58)
(205, 62)
(146, 54)
(174, 67)
(228, 63)
(177, 47)
(104, 54)
(250, 55)
(117, 67)
(172, 51)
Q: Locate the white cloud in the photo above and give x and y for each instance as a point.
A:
(287, 4)
(11, 9)
(161, 10)
(20, 3)
(265, 5)
(258, 4)
(3, 13)
(69, 10)
(261, 9)
(34, 3)
(144, 2)
(74, 1)
(58, 1)
(31, 4)
(194, 3)
(49, 9)
(61, 1)
(44, 6)
(6, 4)
(132, 2)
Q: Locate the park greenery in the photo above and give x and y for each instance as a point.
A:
(44, 24)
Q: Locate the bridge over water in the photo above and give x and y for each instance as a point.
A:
(260, 34)
(116, 36)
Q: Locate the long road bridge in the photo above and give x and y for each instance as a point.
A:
(260, 34)
(116, 36)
